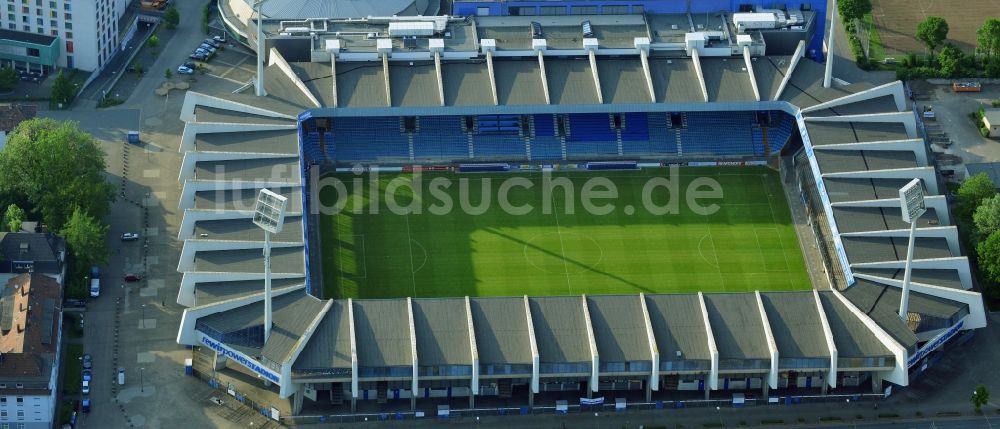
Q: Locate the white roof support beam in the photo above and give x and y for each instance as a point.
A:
(644, 57)
(414, 381)
(937, 202)
(333, 80)
(545, 80)
(474, 349)
(534, 346)
(300, 344)
(899, 374)
(753, 78)
(905, 118)
(194, 99)
(388, 86)
(909, 145)
(593, 72)
(800, 51)
(949, 233)
(895, 89)
(772, 346)
(925, 173)
(493, 77)
(595, 358)
(828, 72)
(654, 352)
(275, 58)
(354, 349)
(831, 377)
(959, 263)
(696, 58)
(440, 77)
(713, 350)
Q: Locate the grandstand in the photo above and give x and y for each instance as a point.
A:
(492, 96)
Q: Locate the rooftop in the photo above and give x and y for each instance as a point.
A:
(29, 326)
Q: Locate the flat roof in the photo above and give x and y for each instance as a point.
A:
(262, 169)
(769, 72)
(560, 329)
(280, 87)
(675, 80)
(878, 249)
(466, 84)
(841, 189)
(361, 85)
(562, 31)
(382, 329)
(619, 328)
(727, 79)
(413, 83)
(570, 81)
(948, 278)
(245, 230)
(318, 79)
(280, 141)
(211, 292)
(824, 133)
(24, 36)
(442, 327)
(840, 161)
(283, 260)
(795, 324)
(218, 115)
(737, 326)
(518, 81)
(882, 104)
(622, 80)
(501, 330)
(330, 344)
(243, 199)
(678, 326)
(858, 219)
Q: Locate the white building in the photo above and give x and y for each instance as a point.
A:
(86, 32)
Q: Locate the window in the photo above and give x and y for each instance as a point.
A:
(20, 400)
(69, 25)
(584, 10)
(69, 34)
(552, 10)
(3, 400)
(638, 9)
(69, 46)
(20, 414)
(3, 413)
(614, 10)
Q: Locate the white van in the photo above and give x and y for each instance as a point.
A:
(121, 376)
(95, 288)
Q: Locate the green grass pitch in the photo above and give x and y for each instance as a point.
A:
(748, 244)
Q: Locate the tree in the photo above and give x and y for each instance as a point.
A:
(972, 192)
(137, 66)
(56, 168)
(988, 39)
(171, 17)
(85, 236)
(980, 397)
(954, 62)
(62, 89)
(14, 217)
(987, 216)
(153, 41)
(167, 74)
(854, 9)
(932, 31)
(8, 79)
(988, 251)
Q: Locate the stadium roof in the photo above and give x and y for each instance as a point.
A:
(859, 219)
(737, 326)
(245, 230)
(948, 278)
(842, 189)
(442, 327)
(212, 292)
(852, 338)
(679, 327)
(243, 199)
(249, 170)
(501, 326)
(382, 329)
(560, 329)
(281, 141)
(330, 346)
(796, 324)
(619, 328)
(283, 260)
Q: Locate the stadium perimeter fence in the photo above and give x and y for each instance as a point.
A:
(513, 412)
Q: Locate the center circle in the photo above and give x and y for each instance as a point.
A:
(563, 252)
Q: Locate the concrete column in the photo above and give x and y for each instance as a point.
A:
(696, 60)
(388, 86)
(333, 78)
(799, 52)
(649, 391)
(545, 81)
(440, 77)
(297, 400)
(766, 388)
(493, 79)
(876, 382)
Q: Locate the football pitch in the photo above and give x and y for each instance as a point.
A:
(371, 248)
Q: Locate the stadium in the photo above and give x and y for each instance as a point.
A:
(792, 286)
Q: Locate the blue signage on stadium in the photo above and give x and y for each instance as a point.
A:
(241, 359)
(934, 344)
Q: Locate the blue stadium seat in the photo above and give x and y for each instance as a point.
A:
(369, 139)
(718, 133)
(591, 134)
(440, 138)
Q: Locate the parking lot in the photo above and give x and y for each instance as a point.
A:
(954, 139)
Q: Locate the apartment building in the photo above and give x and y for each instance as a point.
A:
(43, 34)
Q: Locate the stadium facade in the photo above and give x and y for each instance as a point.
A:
(635, 88)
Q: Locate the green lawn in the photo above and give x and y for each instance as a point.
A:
(748, 244)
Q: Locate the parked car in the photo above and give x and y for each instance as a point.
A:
(220, 39)
(121, 376)
(190, 64)
(75, 303)
(132, 277)
(207, 47)
(88, 362)
(85, 389)
(211, 42)
(85, 405)
(201, 51)
(87, 375)
(198, 57)
(185, 70)
(130, 236)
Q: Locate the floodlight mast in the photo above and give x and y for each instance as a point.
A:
(269, 215)
(911, 201)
